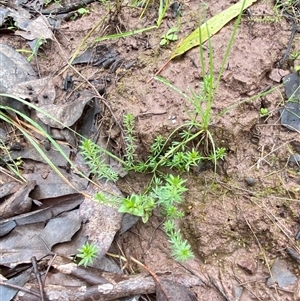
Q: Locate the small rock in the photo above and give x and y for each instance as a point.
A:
(237, 291)
(294, 160)
(247, 263)
(281, 275)
(250, 181)
(276, 74)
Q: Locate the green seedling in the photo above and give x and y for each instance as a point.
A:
(83, 11)
(87, 253)
(129, 139)
(19, 161)
(297, 68)
(264, 112)
(58, 2)
(170, 36)
(80, 13)
(294, 55)
(138, 205)
(181, 250)
(164, 194)
(96, 160)
(38, 44)
(219, 154)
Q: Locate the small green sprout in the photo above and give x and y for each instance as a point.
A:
(181, 249)
(83, 11)
(88, 252)
(297, 68)
(170, 36)
(80, 13)
(295, 55)
(19, 161)
(129, 139)
(220, 153)
(139, 205)
(58, 2)
(95, 159)
(264, 112)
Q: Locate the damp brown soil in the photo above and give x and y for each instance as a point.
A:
(239, 219)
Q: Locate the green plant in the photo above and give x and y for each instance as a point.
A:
(83, 11)
(32, 53)
(95, 158)
(80, 13)
(87, 253)
(47, 2)
(138, 205)
(294, 55)
(129, 139)
(170, 36)
(167, 194)
(164, 194)
(264, 112)
(181, 249)
(199, 109)
(165, 191)
(163, 6)
(219, 154)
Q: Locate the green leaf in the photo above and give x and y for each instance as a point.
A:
(210, 27)
(88, 252)
(172, 30)
(172, 37)
(163, 42)
(83, 11)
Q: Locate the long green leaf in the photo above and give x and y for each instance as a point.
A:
(210, 27)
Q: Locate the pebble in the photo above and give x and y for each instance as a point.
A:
(247, 263)
(282, 276)
(276, 75)
(294, 160)
(250, 181)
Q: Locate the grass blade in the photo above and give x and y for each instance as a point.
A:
(125, 34)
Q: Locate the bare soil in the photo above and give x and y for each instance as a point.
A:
(236, 230)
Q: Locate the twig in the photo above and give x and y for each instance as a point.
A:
(38, 277)
(155, 278)
(48, 268)
(160, 70)
(243, 284)
(19, 288)
(287, 52)
(217, 286)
